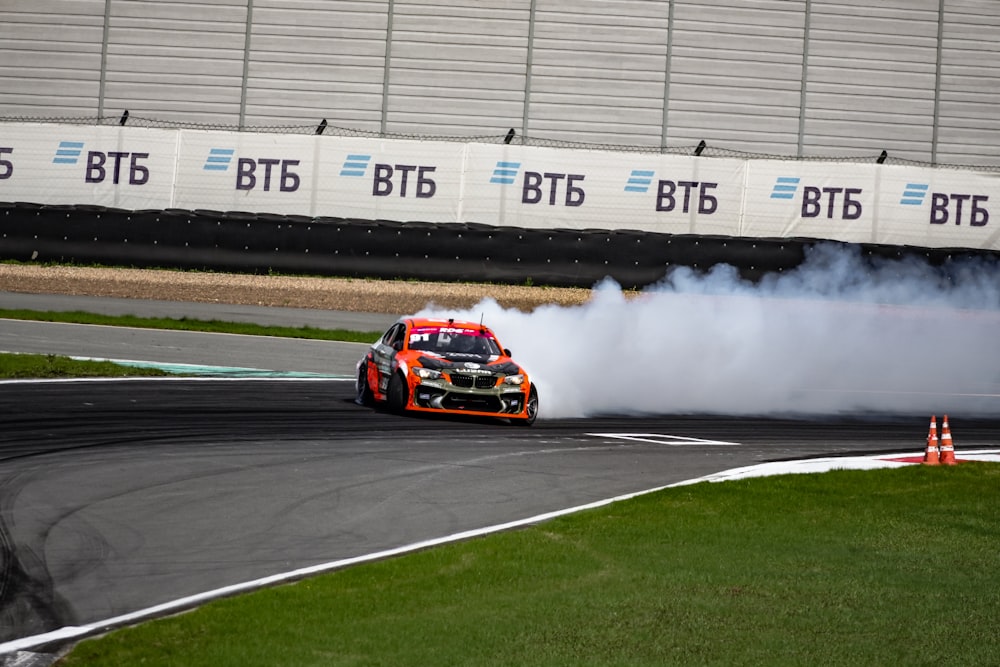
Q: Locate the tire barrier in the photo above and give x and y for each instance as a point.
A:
(258, 243)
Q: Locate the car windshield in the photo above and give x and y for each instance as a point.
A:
(446, 341)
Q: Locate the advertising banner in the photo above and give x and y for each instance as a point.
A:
(525, 186)
(236, 171)
(319, 176)
(130, 168)
(382, 179)
(862, 203)
(937, 208)
(503, 185)
(786, 199)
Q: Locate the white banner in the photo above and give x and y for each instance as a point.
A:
(549, 188)
(811, 200)
(319, 176)
(937, 208)
(236, 171)
(378, 179)
(522, 186)
(870, 203)
(130, 168)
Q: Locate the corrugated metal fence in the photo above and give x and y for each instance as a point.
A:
(832, 78)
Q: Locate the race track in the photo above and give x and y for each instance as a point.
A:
(120, 495)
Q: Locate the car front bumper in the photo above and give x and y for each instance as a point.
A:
(442, 396)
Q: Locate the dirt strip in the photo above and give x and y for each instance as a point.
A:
(357, 295)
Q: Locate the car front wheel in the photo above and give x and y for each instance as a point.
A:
(397, 396)
(530, 409)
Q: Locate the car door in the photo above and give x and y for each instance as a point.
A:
(385, 354)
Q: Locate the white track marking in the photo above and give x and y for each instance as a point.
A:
(662, 439)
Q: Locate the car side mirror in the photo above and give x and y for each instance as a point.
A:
(507, 352)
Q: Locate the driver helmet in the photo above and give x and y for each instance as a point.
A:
(465, 343)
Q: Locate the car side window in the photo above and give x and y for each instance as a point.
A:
(394, 336)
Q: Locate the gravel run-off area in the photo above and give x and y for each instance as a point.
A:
(351, 294)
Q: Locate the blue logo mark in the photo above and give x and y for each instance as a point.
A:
(640, 180)
(505, 172)
(914, 194)
(355, 165)
(218, 159)
(68, 152)
(785, 187)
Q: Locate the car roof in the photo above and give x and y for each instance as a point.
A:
(440, 322)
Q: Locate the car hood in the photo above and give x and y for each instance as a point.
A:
(468, 362)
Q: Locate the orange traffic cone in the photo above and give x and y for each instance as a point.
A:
(931, 454)
(947, 447)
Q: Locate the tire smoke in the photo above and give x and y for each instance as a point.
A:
(842, 334)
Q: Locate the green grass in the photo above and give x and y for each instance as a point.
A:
(45, 366)
(889, 567)
(185, 324)
(53, 366)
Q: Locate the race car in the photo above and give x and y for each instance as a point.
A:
(445, 366)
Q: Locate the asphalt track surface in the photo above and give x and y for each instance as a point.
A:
(116, 496)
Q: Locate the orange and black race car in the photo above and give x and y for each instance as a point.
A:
(446, 366)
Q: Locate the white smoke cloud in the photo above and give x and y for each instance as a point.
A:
(836, 335)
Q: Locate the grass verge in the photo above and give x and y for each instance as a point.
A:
(46, 366)
(880, 567)
(186, 324)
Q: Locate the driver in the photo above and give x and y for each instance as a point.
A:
(465, 344)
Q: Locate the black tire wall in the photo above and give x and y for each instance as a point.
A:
(240, 242)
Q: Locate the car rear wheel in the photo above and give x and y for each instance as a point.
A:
(397, 396)
(530, 409)
(365, 395)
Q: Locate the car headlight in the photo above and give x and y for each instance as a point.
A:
(426, 373)
(514, 379)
